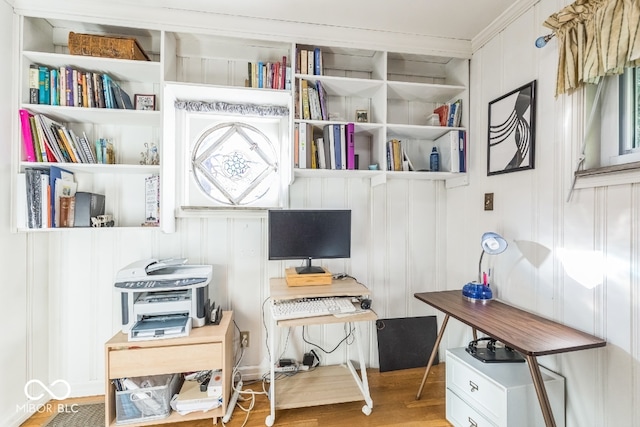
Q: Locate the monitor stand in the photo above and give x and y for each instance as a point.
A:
(309, 269)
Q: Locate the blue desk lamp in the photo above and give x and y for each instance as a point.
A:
(480, 291)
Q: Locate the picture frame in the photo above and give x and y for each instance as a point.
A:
(362, 116)
(511, 131)
(144, 102)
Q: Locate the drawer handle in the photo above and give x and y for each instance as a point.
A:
(472, 423)
(474, 386)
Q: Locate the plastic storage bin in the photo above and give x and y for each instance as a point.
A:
(150, 401)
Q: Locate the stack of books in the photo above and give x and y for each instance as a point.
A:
(309, 61)
(450, 114)
(269, 75)
(46, 140)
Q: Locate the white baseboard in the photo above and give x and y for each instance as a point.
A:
(22, 412)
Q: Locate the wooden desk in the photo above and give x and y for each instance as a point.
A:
(528, 333)
(325, 384)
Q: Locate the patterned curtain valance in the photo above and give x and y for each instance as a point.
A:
(226, 108)
(596, 38)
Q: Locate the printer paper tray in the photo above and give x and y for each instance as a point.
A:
(160, 327)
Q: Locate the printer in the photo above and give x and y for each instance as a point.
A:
(163, 298)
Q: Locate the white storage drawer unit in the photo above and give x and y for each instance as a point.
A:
(497, 394)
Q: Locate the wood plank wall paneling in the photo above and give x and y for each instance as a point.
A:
(594, 219)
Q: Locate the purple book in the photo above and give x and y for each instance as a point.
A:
(351, 147)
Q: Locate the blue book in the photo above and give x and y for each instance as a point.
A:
(108, 92)
(462, 149)
(337, 141)
(54, 87)
(44, 83)
(260, 74)
(317, 61)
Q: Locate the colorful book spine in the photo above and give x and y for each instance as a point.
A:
(43, 85)
(462, 150)
(27, 137)
(306, 112)
(283, 72)
(337, 141)
(69, 88)
(296, 145)
(62, 82)
(34, 136)
(302, 141)
(317, 61)
(351, 146)
(323, 100)
(34, 84)
(77, 92)
(54, 87)
(310, 66)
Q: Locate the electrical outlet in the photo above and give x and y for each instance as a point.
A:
(488, 201)
(244, 339)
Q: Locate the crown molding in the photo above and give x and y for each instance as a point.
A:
(501, 22)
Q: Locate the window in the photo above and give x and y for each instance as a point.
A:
(612, 134)
(629, 144)
(226, 148)
(234, 163)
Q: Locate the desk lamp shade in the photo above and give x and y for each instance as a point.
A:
(492, 244)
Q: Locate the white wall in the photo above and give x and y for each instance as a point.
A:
(602, 387)
(24, 308)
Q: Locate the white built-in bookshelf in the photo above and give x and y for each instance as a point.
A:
(398, 91)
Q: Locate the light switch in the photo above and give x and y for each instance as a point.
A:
(488, 201)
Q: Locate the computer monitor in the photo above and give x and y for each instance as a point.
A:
(309, 234)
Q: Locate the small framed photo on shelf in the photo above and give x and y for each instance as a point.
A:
(145, 102)
(362, 116)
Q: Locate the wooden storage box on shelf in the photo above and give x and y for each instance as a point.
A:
(106, 46)
(295, 279)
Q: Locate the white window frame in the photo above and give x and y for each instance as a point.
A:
(604, 164)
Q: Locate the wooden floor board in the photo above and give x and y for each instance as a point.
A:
(394, 405)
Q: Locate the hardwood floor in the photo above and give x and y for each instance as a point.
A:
(394, 404)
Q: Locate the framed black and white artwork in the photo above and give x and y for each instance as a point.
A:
(511, 139)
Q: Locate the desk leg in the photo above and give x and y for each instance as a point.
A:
(538, 383)
(362, 383)
(271, 418)
(433, 355)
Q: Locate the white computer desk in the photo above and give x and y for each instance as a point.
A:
(323, 385)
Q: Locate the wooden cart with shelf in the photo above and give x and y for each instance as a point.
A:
(325, 384)
(206, 348)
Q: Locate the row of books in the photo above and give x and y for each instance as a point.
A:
(71, 87)
(312, 101)
(333, 149)
(49, 197)
(269, 75)
(46, 140)
(397, 159)
(309, 61)
(450, 114)
(414, 156)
